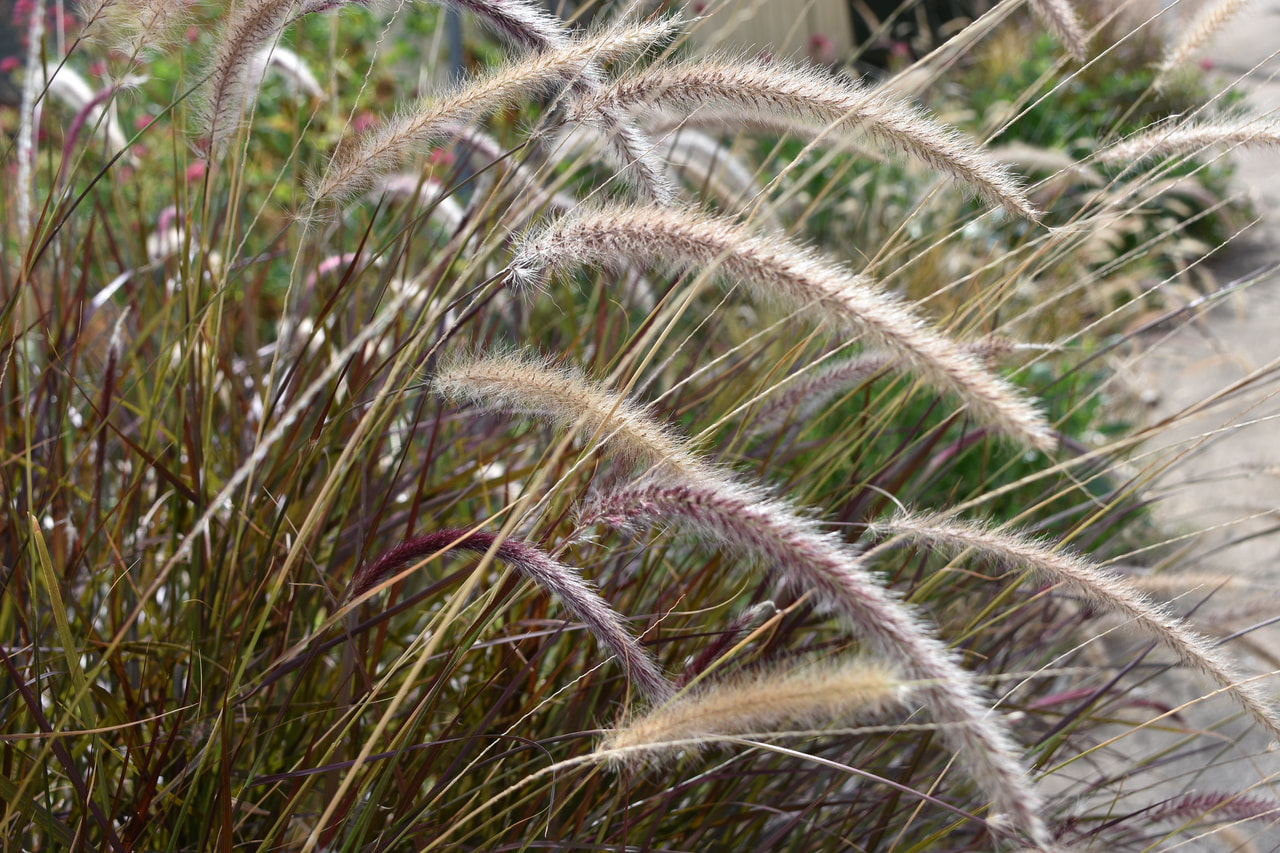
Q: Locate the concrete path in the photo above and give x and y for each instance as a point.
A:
(1225, 482)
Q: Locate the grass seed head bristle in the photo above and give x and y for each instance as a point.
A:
(811, 697)
(520, 23)
(1193, 138)
(752, 88)
(250, 26)
(521, 384)
(555, 578)
(804, 395)
(769, 532)
(1098, 586)
(781, 272)
(134, 27)
(1208, 21)
(1215, 807)
(1062, 20)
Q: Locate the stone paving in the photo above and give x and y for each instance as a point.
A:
(1226, 479)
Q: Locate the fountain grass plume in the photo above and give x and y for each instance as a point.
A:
(751, 89)
(1190, 38)
(1103, 589)
(810, 697)
(133, 27)
(768, 532)
(781, 272)
(520, 23)
(249, 27)
(803, 395)
(1192, 138)
(520, 383)
(1213, 806)
(1062, 20)
(356, 166)
(555, 578)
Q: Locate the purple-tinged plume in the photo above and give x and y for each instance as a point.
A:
(554, 577)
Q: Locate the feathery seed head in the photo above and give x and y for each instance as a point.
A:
(356, 166)
(1208, 20)
(250, 26)
(1061, 18)
(1192, 138)
(795, 276)
(751, 89)
(811, 697)
(768, 531)
(1102, 588)
(520, 384)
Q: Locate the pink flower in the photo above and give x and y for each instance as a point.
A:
(9, 63)
(441, 157)
(822, 49)
(196, 170)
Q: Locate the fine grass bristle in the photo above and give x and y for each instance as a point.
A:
(1060, 17)
(1193, 138)
(1191, 36)
(440, 438)
(778, 271)
(809, 697)
(250, 26)
(804, 395)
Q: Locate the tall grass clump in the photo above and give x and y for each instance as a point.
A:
(393, 463)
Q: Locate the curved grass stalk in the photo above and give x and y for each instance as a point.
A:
(249, 27)
(806, 698)
(1062, 20)
(1207, 22)
(1100, 587)
(554, 577)
(519, 384)
(1192, 138)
